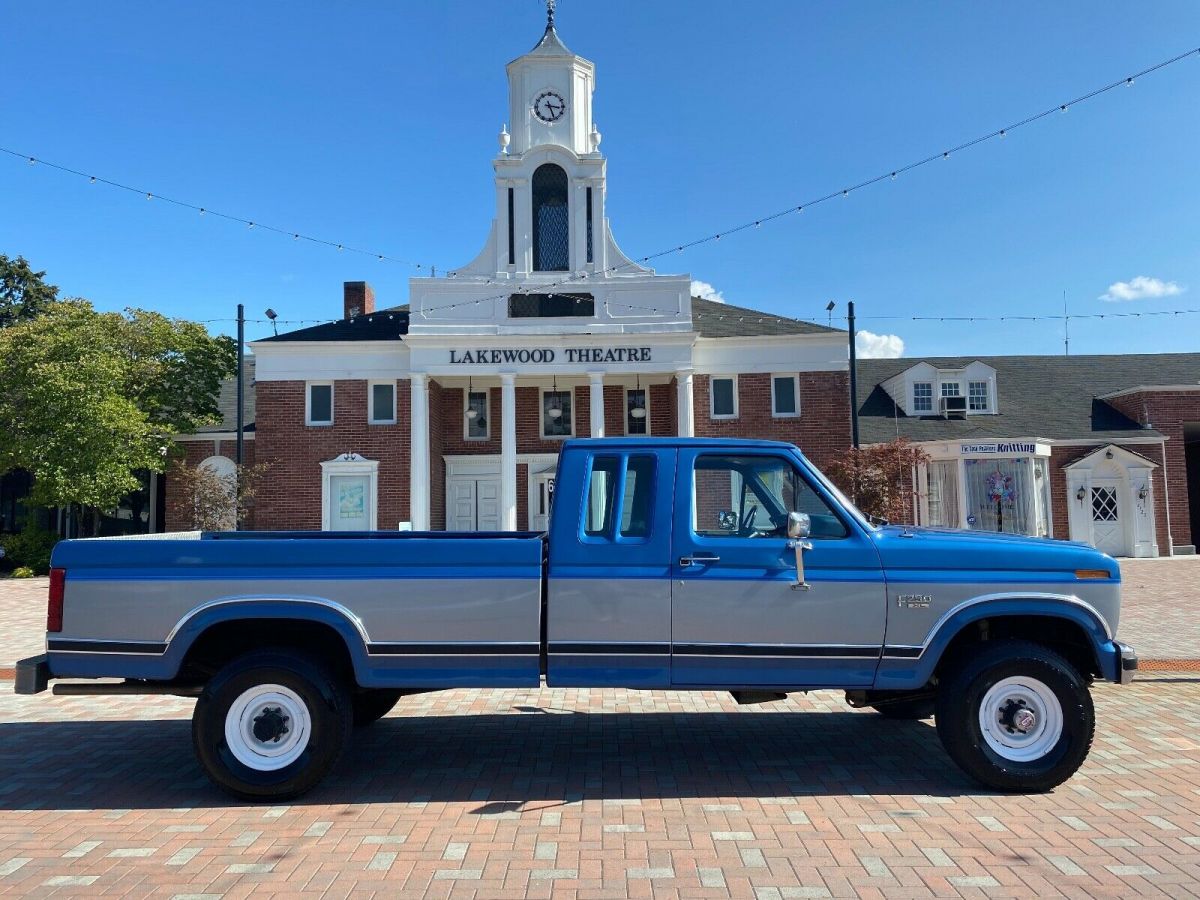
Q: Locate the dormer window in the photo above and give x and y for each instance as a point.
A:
(951, 389)
(923, 397)
(551, 220)
(977, 396)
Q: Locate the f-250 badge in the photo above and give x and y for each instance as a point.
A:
(914, 601)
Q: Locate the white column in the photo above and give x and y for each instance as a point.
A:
(418, 475)
(508, 452)
(683, 403)
(596, 396)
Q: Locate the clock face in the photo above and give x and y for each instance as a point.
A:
(549, 106)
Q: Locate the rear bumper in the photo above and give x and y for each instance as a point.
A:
(1127, 662)
(33, 674)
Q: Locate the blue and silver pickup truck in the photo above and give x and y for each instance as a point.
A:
(670, 564)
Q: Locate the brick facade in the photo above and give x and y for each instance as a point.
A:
(821, 429)
(291, 495)
(1168, 412)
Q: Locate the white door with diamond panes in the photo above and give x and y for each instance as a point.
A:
(1108, 529)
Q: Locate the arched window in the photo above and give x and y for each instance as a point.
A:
(551, 220)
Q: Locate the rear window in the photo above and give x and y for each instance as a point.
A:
(634, 477)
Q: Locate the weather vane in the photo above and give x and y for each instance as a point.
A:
(550, 4)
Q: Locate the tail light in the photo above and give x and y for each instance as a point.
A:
(54, 605)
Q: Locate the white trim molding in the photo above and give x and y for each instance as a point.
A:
(350, 464)
(794, 377)
(308, 419)
(371, 385)
(712, 398)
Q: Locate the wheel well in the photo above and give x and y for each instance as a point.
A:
(1061, 635)
(223, 642)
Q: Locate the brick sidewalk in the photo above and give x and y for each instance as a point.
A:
(1160, 611)
(590, 794)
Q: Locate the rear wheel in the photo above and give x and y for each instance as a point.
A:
(372, 705)
(1016, 716)
(270, 725)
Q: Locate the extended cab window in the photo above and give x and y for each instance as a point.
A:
(751, 496)
(635, 499)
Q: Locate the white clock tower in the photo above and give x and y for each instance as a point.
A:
(550, 264)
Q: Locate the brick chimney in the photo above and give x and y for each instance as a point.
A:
(358, 299)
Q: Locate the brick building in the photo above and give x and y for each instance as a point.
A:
(448, 412)
(1100, 449)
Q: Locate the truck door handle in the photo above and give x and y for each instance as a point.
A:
(686, 561)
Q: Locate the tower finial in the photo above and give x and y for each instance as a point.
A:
(550, 4)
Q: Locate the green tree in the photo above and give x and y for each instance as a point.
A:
(91, 397)
(24, 293)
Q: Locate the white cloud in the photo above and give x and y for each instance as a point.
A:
(706, 291)
(879, 346)
(1141, 288)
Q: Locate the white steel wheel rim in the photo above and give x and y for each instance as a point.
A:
(268, 727)
(1021, 719)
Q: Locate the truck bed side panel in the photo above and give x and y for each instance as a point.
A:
(424, 613)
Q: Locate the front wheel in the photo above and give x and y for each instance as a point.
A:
(270, 725)
(1016, 716)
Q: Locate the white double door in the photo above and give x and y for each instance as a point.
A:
(472, 503)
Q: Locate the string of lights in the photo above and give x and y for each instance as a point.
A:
(884, 177)
(209, 211)
(739, 317)
(576, 278)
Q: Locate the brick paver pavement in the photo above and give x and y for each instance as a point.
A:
(608, 794)
(593, 794)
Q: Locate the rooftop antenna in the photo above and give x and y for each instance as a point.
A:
(1066, 328)
(829, 309)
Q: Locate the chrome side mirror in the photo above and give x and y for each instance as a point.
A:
(799, 529)
(799, 526)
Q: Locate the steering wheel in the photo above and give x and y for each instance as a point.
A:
(747, 524)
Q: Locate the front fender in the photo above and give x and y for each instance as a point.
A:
(911, 667)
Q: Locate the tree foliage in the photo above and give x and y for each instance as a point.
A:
(24, 294)
(211, 501)
(90, 397)
(879, 478)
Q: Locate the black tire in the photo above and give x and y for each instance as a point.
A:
(964, 688)
(372, 705)
(325, 699)
(906, 710)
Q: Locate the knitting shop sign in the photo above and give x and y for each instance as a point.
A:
(549, 355)
(1005, 447)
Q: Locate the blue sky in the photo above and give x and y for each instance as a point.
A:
(374, 124)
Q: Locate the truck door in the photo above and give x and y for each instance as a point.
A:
(608, 604)
(737, 617)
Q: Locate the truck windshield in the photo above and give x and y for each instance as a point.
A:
(841, 498)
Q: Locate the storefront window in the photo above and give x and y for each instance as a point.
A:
(943, 494)
(556, 414)
(997, 495)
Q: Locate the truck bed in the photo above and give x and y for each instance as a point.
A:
(414, 608)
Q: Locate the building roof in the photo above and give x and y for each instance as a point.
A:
(719, 320)
(709, 318)
(227, 402)
(1055, 397)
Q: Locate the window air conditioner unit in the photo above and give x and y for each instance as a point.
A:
(954, 406)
